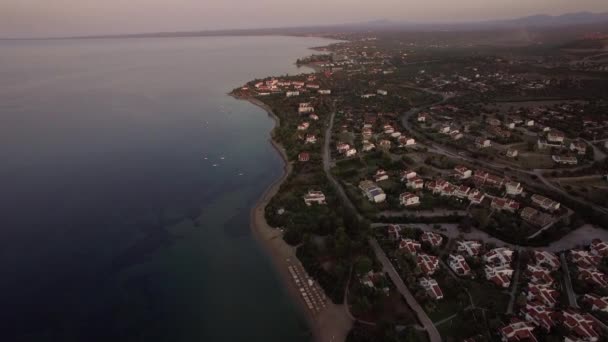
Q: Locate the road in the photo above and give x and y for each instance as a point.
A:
(568, 281)
(515, 281)
(424, 319)
(327, 168)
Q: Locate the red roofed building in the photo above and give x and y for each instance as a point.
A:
(504, 204)
(499, 256)
(428, 263)
(584, 259)
(431, 287)
(470, 248)
(459, 265)
(499, 275)
(539, 315)
(432, 239)
(518, 330)
(599, 248)
(593, 276)
(544, 294)
(581, 325)
(409, 246)
(394, 232)
(547, 259)
(304, 157)
(539, 275)
(462, 172)
(596, 302)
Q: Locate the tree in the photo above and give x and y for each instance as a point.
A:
(363, 265)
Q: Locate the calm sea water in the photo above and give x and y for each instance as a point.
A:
(102, 168)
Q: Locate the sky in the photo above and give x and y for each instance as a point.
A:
(44, 18)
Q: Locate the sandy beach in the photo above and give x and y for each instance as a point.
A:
(331, 323)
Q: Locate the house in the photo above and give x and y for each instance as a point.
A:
(324, 92)
(584, 259)
(547, 260)
(408, 199)
(388, 129)
(367, 146)
(593, 276)
(313, 117)
(431, 287)
(312, 86)
(351, 152)
(409, 246)
(495, 181)
(535, 217)
(518, 330)
(469, 247)
(314, 197)
(371, 278)
(483, 143)
(462, 172)
(499, 256)
(539, 275)
(396, 134)
(406, 141)
(304, 157)
(342, 147)
(596, 302)
(432, 239)
(367, 132)
(514, 188)
(380, 175)
(303, 126)
(555, 137)
(476, 196)
(579, 147)
(504, 204)
(456, 135)
(581, 325)
(373, 193)
(422, 117)
(394, 232)
(530, 123)
(427, 263)
(499, 275)
(599, 248)
(292, 93)
(459, 265)
(311, 139)
(566, 160)
(445, 129)
(385, 144)
(545, 203)
(415, 183)
(462, 191)
(512, 153)
(406, 175)
(382, 92)
(544, 294)
(305, 108)
(510, 125)
(539, 315)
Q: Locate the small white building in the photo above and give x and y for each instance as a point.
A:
(408, 199)
(314, 197)
(292, 93)
(382, 92)
(514, 188)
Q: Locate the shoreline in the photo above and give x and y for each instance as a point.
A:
(331, 324)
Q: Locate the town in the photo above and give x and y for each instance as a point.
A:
(440, 193)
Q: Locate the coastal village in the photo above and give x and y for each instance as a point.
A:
(435, 198)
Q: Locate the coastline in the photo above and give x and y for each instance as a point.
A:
(333, 322)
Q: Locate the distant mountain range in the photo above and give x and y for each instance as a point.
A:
(539, 20)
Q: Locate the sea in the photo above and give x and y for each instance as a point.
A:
(127, 176)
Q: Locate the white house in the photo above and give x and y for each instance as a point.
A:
(408, 199)
(514, 188)
(373, 193)
(316, 197)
